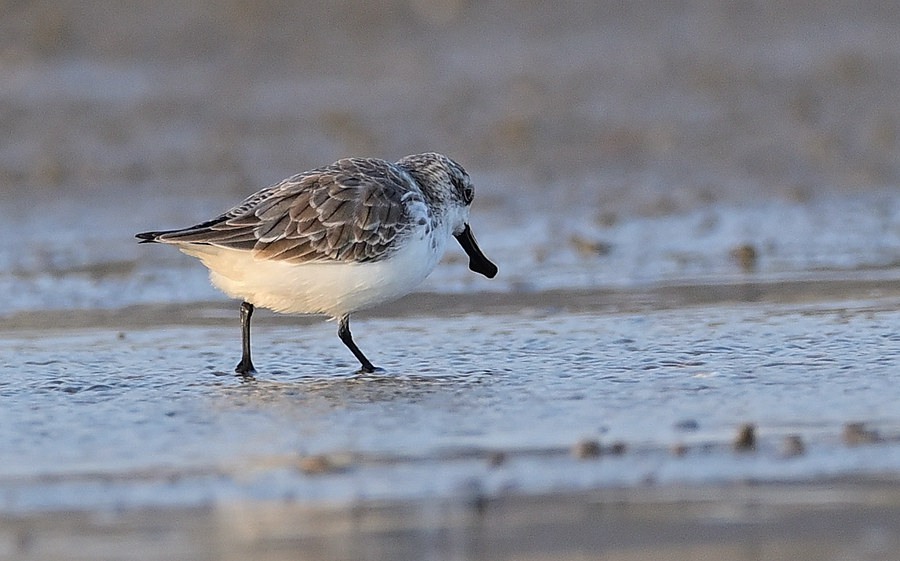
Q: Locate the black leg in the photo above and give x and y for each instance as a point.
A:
(347, 339)
(245, 366)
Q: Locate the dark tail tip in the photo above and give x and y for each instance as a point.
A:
(147, 237)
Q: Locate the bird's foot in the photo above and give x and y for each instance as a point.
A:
(245, 368)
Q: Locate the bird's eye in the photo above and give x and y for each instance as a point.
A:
(463, 187)
(468, 193)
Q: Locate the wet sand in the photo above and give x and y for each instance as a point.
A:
(310, 461)
(572, 300)
(695, 211)
(841, 519)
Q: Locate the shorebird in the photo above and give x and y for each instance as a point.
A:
(335, 239)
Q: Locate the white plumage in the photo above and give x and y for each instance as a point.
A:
(336, 239)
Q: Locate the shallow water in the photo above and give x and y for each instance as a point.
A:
(648, 331)
(694, 209)
(89, 259)
(131, 417)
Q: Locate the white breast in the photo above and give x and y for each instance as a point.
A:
(328, 288)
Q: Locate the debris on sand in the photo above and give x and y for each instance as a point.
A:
(746, 257)
(586, 448)
(679, 449)
(320, 464)
(618, 448)
(745, 440)
(792, 446)
(496, 459)
(588, 247)
(858, 433)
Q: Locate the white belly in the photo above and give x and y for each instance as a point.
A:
(319, 288)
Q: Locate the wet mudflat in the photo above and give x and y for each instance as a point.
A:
(690, 349)
(610, 368)
(576, 409)
(499, 401)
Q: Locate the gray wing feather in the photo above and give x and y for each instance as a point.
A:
(350, 211)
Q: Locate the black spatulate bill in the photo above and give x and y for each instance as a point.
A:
(478, 262)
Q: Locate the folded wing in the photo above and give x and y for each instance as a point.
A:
(350, 211)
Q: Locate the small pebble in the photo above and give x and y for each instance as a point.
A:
(687, 425)
(745, 440)
(607, 219)
(585, 449)
(496, 459)
(315, 465)
(746, 257)
(679, 449)
(792, 445)
(857, 433)
(618, 448)
(589, 247)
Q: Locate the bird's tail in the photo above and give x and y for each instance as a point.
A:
(148, 237)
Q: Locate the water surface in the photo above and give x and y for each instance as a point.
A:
(149, 415)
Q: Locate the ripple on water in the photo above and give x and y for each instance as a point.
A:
(88, 402)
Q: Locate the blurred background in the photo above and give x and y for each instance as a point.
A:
(694, 205)
(667, 105)
(763, 134)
